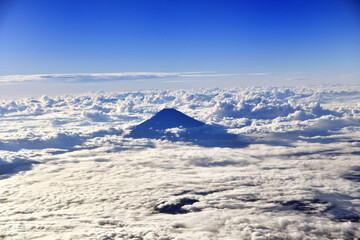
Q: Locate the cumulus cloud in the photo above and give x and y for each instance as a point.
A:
(69, 171)
(96, 116)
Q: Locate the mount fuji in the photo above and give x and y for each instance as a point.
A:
(174, 125)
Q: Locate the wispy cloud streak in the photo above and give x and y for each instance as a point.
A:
(297, 79)
(99, 77)
(257, 74)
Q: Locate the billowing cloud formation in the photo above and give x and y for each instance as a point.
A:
(68, 170)
(97, 77)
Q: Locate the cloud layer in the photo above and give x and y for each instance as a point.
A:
(68, 171)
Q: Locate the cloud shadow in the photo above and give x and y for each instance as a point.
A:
(7, 169)
(204, 136)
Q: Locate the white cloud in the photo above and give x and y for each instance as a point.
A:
(98, 77)
(297, 179)
(257, 74)
(209, 75)
(297, 79)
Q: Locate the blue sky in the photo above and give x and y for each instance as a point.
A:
(243, 42)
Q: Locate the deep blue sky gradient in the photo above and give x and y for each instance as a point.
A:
(317, 38)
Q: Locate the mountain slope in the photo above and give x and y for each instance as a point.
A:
(185, 128)
(169, 118)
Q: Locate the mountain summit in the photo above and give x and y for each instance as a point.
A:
(170, 118)
(175, 126)
(165, 119)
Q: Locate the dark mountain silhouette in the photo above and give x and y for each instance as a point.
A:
(169, 118)
(188, 130)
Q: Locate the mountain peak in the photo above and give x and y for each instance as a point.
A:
(192, 130)
(170, 118)
(165, 119)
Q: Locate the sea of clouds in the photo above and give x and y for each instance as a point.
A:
(69, 171)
